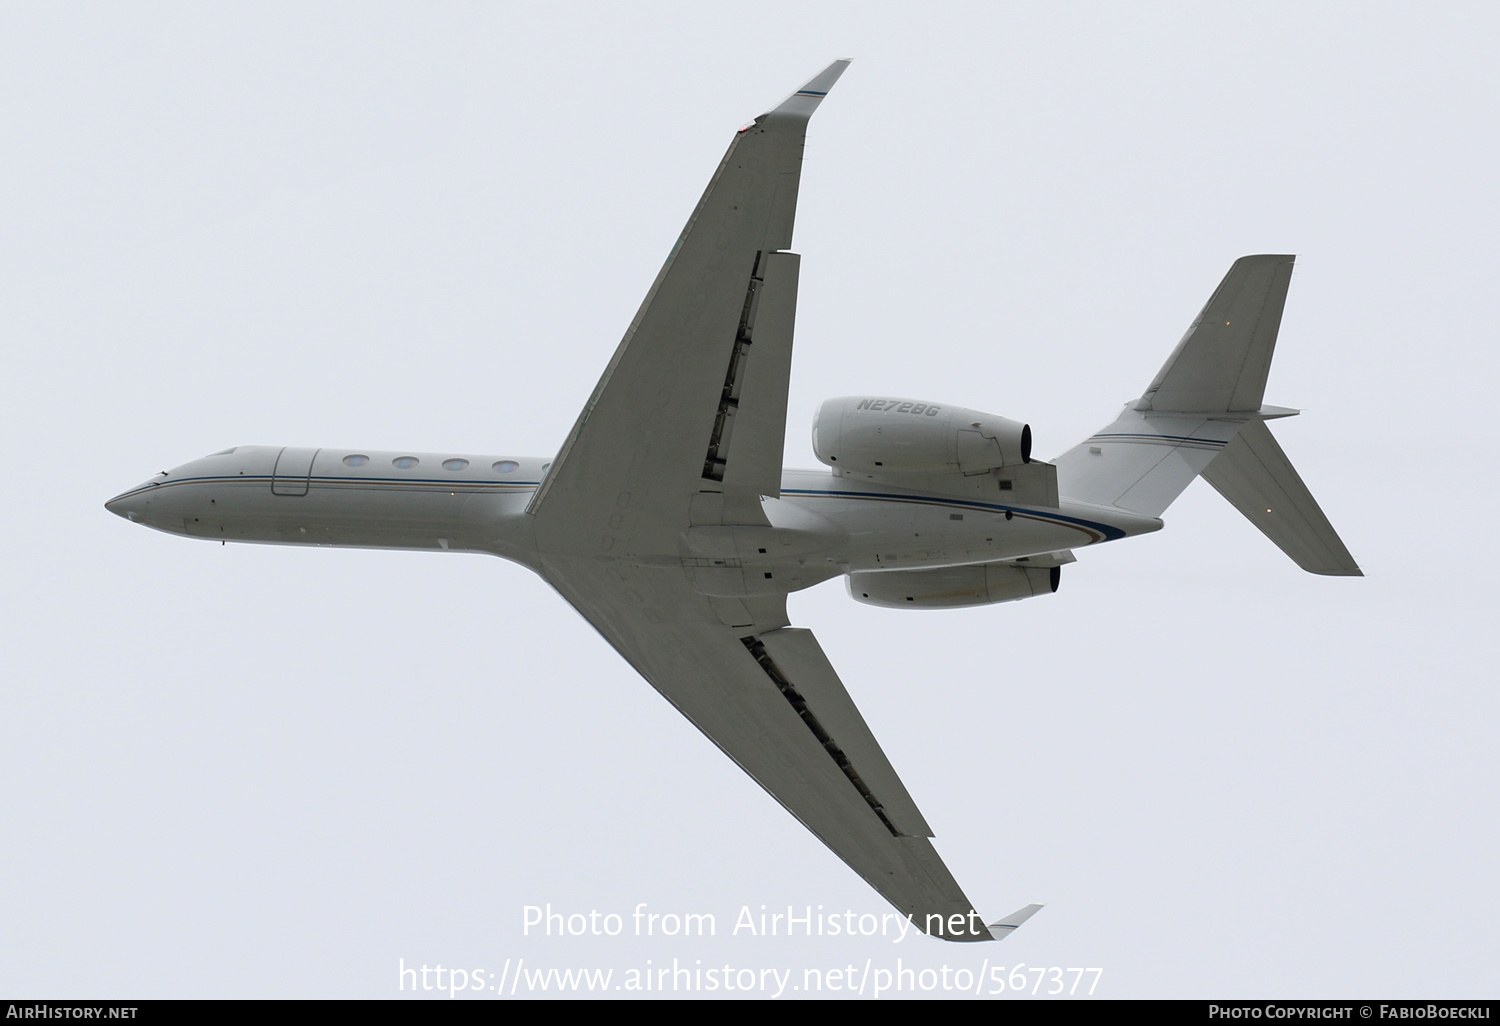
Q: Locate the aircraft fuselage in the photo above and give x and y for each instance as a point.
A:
(827, 524)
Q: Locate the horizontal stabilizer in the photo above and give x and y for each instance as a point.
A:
(1007, 926)
(1254, 474)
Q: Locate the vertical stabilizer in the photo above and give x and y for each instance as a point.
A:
(1211, 384)
(1220, 366)
(1204, 414)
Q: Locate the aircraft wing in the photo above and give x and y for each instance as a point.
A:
(688, 420)
(768, 697)
(669, 459)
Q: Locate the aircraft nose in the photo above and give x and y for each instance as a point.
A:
(128, 506)
(133, 504)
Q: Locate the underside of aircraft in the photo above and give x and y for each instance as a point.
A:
(668, 521)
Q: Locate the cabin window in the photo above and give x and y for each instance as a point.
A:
(506, 466)
(356, 460)
(405, 462)
(455, 464)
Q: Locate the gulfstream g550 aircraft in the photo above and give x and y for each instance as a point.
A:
(667, 520)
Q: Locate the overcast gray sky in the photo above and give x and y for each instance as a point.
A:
(261, 771)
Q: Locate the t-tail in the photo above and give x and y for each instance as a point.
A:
(1203, 414)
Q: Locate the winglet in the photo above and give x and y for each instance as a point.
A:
(1007, 926)
(804, 101)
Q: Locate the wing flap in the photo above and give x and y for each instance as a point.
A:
(756, 400)
(797, 654)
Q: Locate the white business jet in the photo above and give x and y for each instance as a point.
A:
(667, 520)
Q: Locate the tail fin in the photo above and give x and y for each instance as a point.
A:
(1220, 366)
(1203, 414)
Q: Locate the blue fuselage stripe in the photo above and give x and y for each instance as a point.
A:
(435, 482)
(1158, 438)
(1109, 533)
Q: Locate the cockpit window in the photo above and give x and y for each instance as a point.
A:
(224, 452)
(405, 462)
(356, 460)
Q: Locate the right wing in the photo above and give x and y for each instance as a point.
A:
(768, 697)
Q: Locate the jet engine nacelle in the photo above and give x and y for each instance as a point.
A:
(904, 436)
(953, 586)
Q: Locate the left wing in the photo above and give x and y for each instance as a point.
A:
(686, 425)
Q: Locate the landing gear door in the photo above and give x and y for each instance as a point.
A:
(293, 467)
